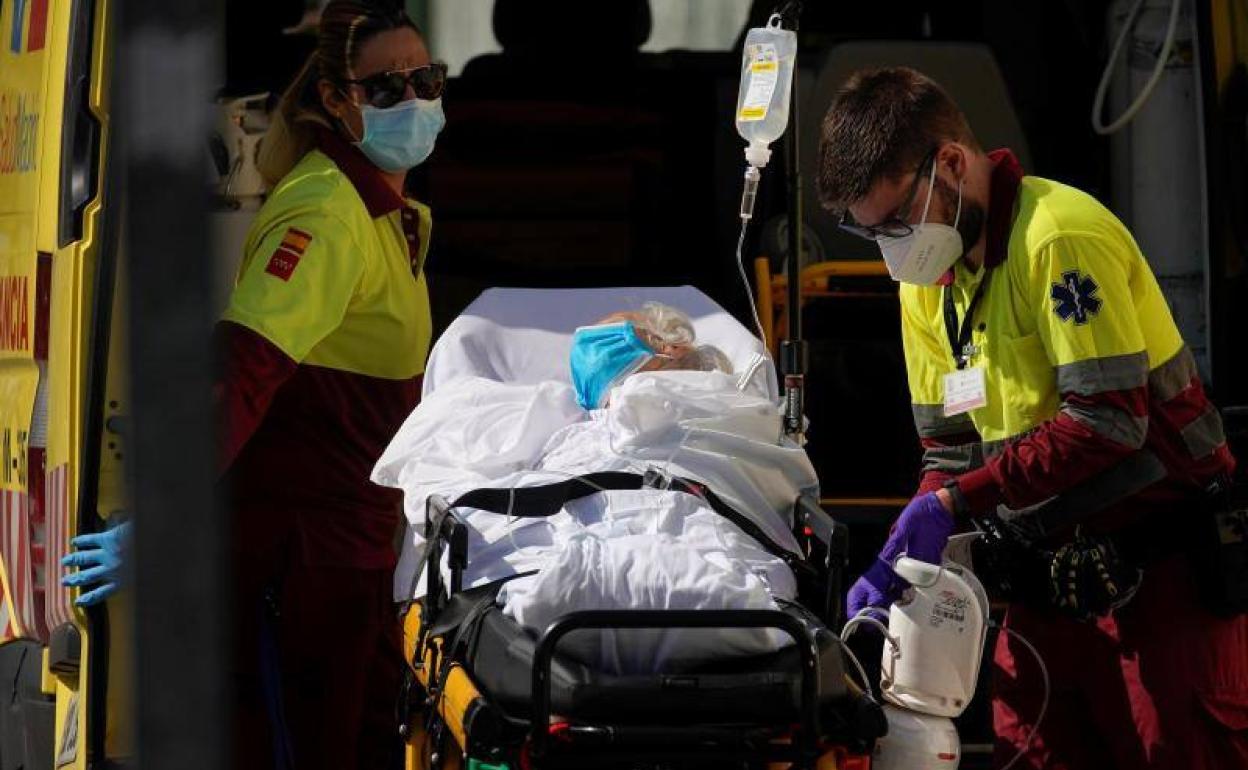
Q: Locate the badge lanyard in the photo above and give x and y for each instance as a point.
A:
(960, 337)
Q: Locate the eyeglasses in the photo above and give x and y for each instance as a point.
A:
(386, 89)
(894, 226)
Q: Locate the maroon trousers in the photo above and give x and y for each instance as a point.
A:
(339, 642)
(1159, 685)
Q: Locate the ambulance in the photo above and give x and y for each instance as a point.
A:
(62, 402)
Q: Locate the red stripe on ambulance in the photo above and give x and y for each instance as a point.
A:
(36, 33)
(59, 604)
(14, 313)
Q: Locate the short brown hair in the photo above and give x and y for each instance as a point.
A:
(882, 124)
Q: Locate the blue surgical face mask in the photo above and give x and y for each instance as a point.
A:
(601, 357)
(400, 137)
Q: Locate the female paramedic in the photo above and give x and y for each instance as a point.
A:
(1059, 410)
(324, 344)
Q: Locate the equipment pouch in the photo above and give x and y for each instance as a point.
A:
(1090, 576)
(1010, 565)
(1085, 578)
(1219, 552)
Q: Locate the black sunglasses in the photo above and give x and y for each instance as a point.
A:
(386, 89)
(894, 226)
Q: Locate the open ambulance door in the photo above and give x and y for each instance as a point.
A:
(61, 454)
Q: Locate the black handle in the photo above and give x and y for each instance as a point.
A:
(81, 137)
(834, 535)
(442, 530)
(807, 740)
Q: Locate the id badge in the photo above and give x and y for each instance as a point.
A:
(965, 391)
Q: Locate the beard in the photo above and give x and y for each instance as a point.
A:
(971, 222)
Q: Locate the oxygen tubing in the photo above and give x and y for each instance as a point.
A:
(1044, 703)
(865, 617)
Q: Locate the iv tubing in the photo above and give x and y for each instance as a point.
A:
(748, 196)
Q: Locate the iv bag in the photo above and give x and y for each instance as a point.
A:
(766, 86)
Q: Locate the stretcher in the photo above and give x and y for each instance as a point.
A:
(483, 692)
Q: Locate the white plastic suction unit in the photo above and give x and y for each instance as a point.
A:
(940, 627)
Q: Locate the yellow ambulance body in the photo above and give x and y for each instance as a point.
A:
(61, 452)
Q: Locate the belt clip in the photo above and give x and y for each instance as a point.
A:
(969, 351)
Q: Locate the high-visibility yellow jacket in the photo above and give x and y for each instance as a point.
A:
(1082, 362)
(325, 338)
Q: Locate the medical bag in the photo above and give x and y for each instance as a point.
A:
(1220, 549)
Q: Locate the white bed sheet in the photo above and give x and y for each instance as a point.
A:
(643, 549)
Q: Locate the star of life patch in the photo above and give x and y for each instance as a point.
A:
(1075, 297)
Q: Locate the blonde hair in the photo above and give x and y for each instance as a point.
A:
(668, 325)
(670, 328)
(345, 25)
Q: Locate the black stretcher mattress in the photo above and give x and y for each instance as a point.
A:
(756, 690)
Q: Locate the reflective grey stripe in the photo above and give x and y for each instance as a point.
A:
(1204, 434)
(1174, 376)
(931, 422)
(1111, 422)
(954, 460)
(1101, 375)
(994, 448)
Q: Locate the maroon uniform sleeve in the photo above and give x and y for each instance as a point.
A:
(252, 370)
(1089, 435)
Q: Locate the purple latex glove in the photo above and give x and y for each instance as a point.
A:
(877, 588)
(921, 532)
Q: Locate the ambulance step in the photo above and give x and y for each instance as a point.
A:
(27, 716)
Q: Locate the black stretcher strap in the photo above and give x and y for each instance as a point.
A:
(548, 499)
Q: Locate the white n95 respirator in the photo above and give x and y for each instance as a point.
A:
(929, 251)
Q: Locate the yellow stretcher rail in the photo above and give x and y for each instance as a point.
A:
(773, 289)
(459, 697)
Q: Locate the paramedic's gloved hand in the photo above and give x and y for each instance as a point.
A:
(876, 589)
(99, 560)
(921, 532)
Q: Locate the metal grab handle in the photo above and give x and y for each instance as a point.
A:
(807, 741)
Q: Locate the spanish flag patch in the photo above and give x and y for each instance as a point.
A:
(286, 258)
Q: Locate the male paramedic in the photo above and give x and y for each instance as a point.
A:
(1044, 365)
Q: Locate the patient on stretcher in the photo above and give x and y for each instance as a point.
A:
(643, 396)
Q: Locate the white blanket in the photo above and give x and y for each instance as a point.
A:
(644, 549)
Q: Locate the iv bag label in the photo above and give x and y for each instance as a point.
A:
(764, 73)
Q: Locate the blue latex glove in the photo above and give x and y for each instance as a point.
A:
(921, 532)
(99, 560)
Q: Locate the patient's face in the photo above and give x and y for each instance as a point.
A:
(669, 356)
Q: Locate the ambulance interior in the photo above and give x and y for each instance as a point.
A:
(615, 163)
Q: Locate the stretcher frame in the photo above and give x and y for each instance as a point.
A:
(453, 708)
